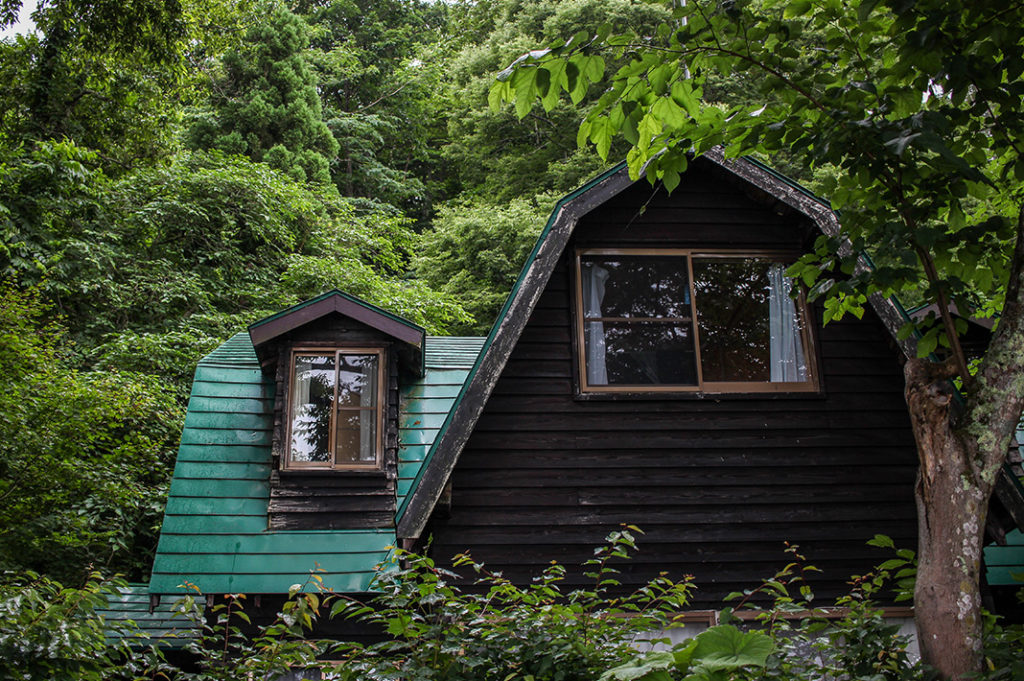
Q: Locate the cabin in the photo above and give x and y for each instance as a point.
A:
(653, 366)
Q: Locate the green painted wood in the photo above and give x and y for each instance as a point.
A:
(230, 421)
(290, 563)
(1010, 556)
(1005, 576)
(427, 405)
(196, 436)
(407, 452)
(241, 489)
(204, 388)
(260, 584)
(225, 453)
(422, 436)
(421, 421)
(340, 541)
(403, 486)
(234, 405)
(209, 505)
(222, 374)
(228, 471)
(210, 524)
(432, 390)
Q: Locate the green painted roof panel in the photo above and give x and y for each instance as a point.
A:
(128, 615)
(215, 526)
(1003, 562)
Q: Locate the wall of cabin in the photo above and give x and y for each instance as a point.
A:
(718, 483)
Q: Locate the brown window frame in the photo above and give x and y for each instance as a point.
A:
(711, 387)
(379, 408)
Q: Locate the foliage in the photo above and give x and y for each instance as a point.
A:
(494, 156)
(475, 253)
(155, 268)
(267, 106)
(923, 131)
(94, 76)
(496, 630)
(48, 631)
(84, 456)
(379, 77)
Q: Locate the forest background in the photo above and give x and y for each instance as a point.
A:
(172, 171)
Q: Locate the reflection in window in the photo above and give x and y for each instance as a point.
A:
(334, 410)
(638, 322)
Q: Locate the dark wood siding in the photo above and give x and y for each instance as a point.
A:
(327, 499)
(718, 483)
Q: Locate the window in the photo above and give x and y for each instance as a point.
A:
(334, 414)
(637, 329)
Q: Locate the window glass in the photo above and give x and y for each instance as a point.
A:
(334, 410)
(312, 406)
(637, 327)
(748, 323)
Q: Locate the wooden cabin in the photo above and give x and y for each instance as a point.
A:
(652, 366)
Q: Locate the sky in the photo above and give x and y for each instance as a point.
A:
(24, 23)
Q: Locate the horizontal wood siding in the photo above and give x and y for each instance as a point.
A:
(718, 483)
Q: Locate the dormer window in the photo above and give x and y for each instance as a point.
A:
(334, 409)
(689, 321)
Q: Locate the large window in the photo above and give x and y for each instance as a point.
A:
(334, 413)
(690, 321)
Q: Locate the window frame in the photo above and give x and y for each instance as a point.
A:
(807, 335)
(380, 408)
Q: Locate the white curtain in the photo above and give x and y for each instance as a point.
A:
(594, 278)
(368, 417)
(787, 352)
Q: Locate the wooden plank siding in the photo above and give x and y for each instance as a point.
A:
(718, 483)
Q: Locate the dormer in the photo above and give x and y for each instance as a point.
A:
(336, 362)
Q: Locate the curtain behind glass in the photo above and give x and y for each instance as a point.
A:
(593, 283)
(787, 351)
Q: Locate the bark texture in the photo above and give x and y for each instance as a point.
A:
(961, 446)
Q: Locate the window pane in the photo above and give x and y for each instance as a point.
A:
(357, 436)
(644, 286)
(312, 405)
(641, 353)
(357, 385)
(749, 326)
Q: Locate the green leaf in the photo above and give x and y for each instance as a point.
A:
(725, 647)
(524, 82)
(500, 92)
(668, 112)
(649, 667)
(798, 8)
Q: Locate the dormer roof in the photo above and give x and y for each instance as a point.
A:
(409, 336)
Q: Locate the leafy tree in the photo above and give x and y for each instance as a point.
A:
(266, 106)
(97, 72)
(475, 252)
(84, 456)
(918, 108)
(379, 71)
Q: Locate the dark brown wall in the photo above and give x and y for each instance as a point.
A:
(327, 499)
(718, 483)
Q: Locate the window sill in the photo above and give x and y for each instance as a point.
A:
(332, 473)
(691, 395)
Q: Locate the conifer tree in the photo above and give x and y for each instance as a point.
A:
(267, 106)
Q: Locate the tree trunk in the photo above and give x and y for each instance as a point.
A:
(950, 520)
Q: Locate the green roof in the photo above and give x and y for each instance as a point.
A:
(215, 532)
(1003, 563)
(128, 615)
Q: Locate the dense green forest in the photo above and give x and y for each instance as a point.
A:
(172, 171)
